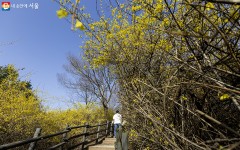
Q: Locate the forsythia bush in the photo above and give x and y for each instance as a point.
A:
(20, 108)
(56, 120)
(21, 111)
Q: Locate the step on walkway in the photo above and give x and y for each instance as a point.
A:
(107, 144)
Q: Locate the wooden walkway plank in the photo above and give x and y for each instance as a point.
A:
(107, 144)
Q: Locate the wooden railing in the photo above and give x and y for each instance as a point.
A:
(102, 131)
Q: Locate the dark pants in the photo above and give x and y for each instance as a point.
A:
(116, 126)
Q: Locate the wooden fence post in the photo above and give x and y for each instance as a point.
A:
(111, 130)
(64, 138)
(36, 134)
(85, 135)
(107, 128)
(98, 132)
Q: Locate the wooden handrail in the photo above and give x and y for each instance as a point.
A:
(56, 146)
(65, 140)
(24, 142)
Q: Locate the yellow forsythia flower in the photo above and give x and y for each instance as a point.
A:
(62, 13)
(166, 142)
(166, 21)
(184, 98)
(79, 25)
(135, 101)
(147, 148)
(159, 7)
(224, 97)
(91, 26)
(136, 8)
(209, 6)
(77, 1)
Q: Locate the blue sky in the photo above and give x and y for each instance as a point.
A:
(41, 43)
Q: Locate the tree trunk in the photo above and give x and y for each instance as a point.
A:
(105, 109)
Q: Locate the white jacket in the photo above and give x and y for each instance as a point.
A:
(117, 118)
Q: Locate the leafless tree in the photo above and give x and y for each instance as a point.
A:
(91, 84)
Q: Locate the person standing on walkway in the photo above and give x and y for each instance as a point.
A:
(117, 120)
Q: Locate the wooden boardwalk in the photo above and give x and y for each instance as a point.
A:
(107, 144)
